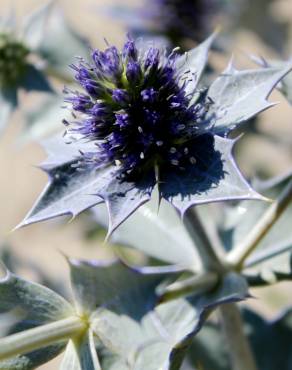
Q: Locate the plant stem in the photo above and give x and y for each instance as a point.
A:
(202, 242)
(41, 336)
(201, 282)
(239, 254)
(239, 350)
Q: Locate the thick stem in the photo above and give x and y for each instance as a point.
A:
(199, 236)
(239, 350)
(199, 283)
(41, 336)
(239, 254)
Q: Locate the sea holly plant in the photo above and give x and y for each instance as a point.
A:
(30, 53)
(109, 299)
(146, 130)
(144, 122)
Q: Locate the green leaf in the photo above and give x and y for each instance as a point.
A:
(240, 95)
(221, 180)
(30, 305)
(8, 102)
(168, 240)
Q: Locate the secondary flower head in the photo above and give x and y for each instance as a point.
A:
(13, 55)
(183, 18)
(144, 120)
(136, 109)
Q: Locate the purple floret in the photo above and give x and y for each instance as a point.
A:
(135, 108)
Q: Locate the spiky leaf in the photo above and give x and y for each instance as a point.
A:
(221, 180)
(30, 305)
(121, 300)
(272, 256)
(240, 95)
(195, 61)
(168, 240)
(74, 187)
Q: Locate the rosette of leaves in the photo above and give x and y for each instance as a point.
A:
(109, 301)
(41, 46)
(144, 122)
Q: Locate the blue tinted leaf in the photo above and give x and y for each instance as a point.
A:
(195, 61)
(112, 285)
(277, 244)
(69, 191)
(167, 241)
(34, 25)
(35, 80)
(30, 305)
(161, 337)
(72, 189)
(240, 95)
(221, 180)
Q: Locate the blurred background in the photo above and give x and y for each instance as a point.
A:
(259, 27)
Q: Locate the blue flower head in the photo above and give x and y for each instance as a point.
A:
(144, 120)
(135, 107)
(179, 19)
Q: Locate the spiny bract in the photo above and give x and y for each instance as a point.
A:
(145, 120)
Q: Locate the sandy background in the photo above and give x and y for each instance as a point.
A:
(21, 182)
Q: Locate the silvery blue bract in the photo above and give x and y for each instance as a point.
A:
(142, 122)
